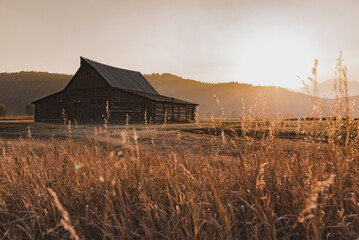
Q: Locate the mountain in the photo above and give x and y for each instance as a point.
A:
(326, 89)
(290, 104)
(19, 89)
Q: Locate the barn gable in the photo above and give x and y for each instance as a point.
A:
(86, 77)
(121, 78)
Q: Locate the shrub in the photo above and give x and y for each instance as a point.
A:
(29, 109)
(3, 110)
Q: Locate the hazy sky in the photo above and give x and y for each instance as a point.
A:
(263, 42)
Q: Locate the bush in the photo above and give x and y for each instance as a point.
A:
(29, 109)
(3, 110)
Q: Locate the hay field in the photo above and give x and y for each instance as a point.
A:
(214, 179)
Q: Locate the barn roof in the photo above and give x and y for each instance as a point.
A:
(122, 78)
(160, 98)
(46, 97)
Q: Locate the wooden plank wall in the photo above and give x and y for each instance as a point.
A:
(158, 112)
(181, 112)
(132, 105)
(50, 109)
(119, 112)
(88, 105)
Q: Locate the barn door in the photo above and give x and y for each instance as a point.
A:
(93, 110)
(147, 108)
(78, 110)
(101, 110)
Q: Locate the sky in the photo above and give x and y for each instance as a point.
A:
(262, 42)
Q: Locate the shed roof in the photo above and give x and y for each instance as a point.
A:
(122, 78)
(46, 97)
(160, 98)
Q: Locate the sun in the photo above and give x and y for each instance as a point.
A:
(274, 56)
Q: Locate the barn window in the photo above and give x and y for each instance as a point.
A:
(77, 101)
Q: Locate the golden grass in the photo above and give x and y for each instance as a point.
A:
(264, 190)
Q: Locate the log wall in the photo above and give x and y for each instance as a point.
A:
(50, 108)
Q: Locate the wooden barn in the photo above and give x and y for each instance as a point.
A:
(127, 92)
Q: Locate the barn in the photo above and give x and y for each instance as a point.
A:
(128, 94)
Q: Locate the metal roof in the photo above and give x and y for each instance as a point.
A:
(46, 97)
(122, 78)
(160, 98)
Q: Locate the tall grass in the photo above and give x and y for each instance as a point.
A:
(266, 187)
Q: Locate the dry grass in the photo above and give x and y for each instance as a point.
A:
(266, 188)
(208, 180)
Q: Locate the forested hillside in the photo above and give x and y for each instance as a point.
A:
(270, 99)
(19, 89)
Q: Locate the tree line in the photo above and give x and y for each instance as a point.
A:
(29, 110)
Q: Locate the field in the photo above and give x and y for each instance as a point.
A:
(213, 179)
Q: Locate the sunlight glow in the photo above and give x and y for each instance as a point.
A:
(275, 57)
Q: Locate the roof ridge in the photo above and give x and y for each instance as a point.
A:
(92, 61)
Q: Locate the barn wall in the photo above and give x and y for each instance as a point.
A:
(158, 112)
(89, 105)
(120, 111)
(175, 112)
(182, 113)
(50, 108)
(131, 105)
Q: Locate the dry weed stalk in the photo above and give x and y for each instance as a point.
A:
(313, 91)
(260, 183)
(197, 117)
(65, 221)
(29, 135)
(127, 122)
(135, 138)
(64, 116)
(312, 203)
(341, 89)
(164, 120)
(106, 119)
(223, 136)
(179, 137)
(223, 115)
(146, 118)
